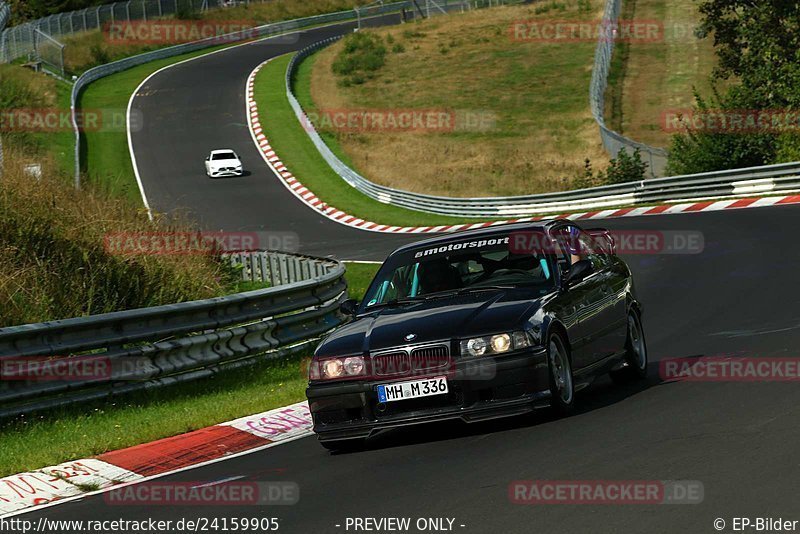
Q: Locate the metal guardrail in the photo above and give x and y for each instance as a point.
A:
(613, 142)
(260, 32)
(277, 268)
(771, 178)
(147, 348)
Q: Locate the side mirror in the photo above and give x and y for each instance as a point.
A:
(579, 271)
(348, 307)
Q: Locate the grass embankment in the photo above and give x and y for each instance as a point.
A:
(530, 95)
(289, 140)
(37, 96)
(54, 262)
(80, 432)
(649, 78)
(92, 48)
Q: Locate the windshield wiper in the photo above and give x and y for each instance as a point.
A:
(394, 302)
(470, 289)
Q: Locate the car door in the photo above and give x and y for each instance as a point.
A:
(591, 300)
(573, 302)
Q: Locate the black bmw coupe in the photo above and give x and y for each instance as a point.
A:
(477, 325)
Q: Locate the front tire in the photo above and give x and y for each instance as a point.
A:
(635, 352)
(562, 385)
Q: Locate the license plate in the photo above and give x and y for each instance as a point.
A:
(412, 390)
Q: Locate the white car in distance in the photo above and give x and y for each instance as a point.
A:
(223, 162)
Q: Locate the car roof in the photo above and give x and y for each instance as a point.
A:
(494, 229)
(221, 150)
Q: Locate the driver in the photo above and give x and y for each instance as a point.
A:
(438, 275)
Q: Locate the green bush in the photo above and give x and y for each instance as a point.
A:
(622, 169)
(696, 151)
(626, 168)
(99, 54)
(363, 53)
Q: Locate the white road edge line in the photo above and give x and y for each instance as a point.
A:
(133, 95)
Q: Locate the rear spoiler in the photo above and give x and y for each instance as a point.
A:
(603, 239)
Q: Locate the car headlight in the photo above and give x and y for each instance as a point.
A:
(496, 344)
(341, 367)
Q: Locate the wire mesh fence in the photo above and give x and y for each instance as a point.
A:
(49, 51)
(5, 14)
(20, 41)
(613, 142)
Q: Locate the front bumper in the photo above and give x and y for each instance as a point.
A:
(479, 389)
(221, 174)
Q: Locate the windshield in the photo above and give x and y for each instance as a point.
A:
(470, 267)
(223, 155)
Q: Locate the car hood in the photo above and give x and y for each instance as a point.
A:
(466, 315)
(220, 163)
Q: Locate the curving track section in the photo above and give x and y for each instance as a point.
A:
(199, 105)
(739, 295)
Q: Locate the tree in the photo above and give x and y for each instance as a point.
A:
(758, 48)
(695, 151)
(758, 43)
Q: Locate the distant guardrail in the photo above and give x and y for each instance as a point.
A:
(260, 32)
(613, 142)
(771, 178)
(137, 350)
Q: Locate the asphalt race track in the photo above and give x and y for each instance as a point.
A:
(195, 107)
(740, 295)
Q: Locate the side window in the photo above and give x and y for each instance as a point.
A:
(590, 252)
(574, 245)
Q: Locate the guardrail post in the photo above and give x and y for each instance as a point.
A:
(283, 269)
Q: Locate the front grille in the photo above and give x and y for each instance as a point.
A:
(391, 364)
(411, 361)
(431, 357)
